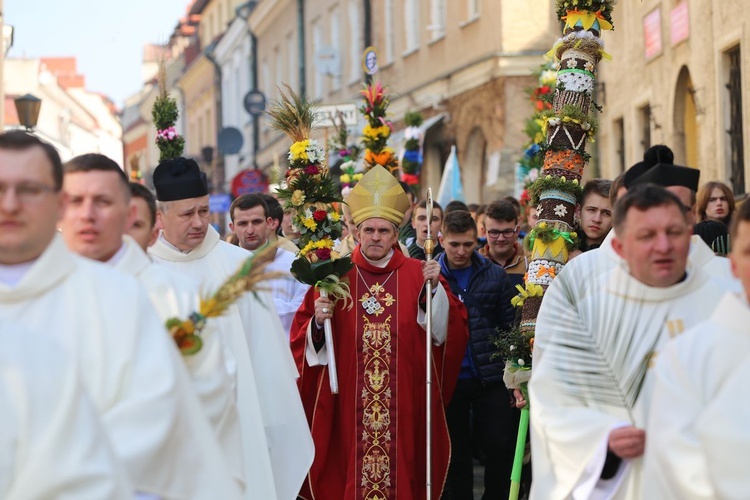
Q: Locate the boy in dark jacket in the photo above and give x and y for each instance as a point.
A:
(480, 410)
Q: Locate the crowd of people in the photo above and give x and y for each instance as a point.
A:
(639, 353)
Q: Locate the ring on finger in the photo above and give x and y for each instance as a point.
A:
(325, 310)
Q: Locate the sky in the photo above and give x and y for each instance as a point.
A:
(106, 36)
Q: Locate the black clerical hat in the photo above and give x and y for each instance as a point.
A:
(652, 156)
(179, 179)
(664, 174)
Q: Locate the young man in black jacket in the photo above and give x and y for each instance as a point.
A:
(480, 410)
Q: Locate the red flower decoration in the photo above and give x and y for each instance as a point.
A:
(323, 253)
(320, 215)
(410, 179)
(312, 170)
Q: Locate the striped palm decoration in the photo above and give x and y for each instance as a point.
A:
(567, 127)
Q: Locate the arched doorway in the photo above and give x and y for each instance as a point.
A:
(472, 167)
(685, 141)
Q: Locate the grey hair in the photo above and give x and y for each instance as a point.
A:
(163, 206)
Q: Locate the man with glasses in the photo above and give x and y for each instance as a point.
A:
(502, 228)
(104, 322)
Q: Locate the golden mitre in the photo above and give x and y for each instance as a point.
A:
(378, 194)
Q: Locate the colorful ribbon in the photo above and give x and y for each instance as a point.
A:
(587, 19)
(531, 290)
(337, 289)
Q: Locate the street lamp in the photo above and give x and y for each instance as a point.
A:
(28, 107)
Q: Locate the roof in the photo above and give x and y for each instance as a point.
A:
(11, 116)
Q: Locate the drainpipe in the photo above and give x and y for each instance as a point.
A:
(301, 47)
(219, 174)
(367, 7)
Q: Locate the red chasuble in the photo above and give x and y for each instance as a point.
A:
(370, 438)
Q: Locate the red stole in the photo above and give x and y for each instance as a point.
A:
(370, 438)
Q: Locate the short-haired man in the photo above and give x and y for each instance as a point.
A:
(479, 411)
(502, 228)
(250, 222)
(597, 334)
(99, 211)
(683, 183)
(143, 228)
(420, 222)
(692, 441)
(275, 218)
(454, 205)
(275, 439)
(103, 321)
(368, 438)
(595, 213)
(406, 232)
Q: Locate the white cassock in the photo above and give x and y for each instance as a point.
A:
(287, 292)
(689, 375)
(700, 256)
(175, 296)
(724, 435)
(132, 371)
(596, 336)
(52, 444)
(277, 444)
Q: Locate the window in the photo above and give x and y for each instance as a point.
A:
(619, 142)
(437, 19)
(291, 60)
(355, 45)
(411, 25)
(317, 39)
(278, 63)
(266, 86)
(644, 120)
(388, 42)
(735, 132)
(336, 45)
(472, 9)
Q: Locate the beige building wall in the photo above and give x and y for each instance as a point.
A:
(197, 86)
(465, 62)
(684, 84)
(215, 18)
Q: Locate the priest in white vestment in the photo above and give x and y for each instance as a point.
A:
(276, 440)
(722, 430)
(52, 444)
(683, 183)
(688, 437)
(95, 230)
(250, 220)
(103, 321)
(597, 335)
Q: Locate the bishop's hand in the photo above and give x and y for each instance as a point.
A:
(431, 272)
(323, 309)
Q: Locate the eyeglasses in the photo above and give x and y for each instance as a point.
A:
(506, 233)
(27, 193)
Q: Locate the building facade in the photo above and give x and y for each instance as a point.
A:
(678, 77)
(463, 64)
(73, 119)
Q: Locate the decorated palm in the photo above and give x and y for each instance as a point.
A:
(310, 192)
(567, 127)
(377, 129)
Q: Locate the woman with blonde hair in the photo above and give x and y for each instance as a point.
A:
(715, 202)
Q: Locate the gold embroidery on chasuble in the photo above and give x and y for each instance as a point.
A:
(376, 455)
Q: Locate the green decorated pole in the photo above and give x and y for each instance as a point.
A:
(567, 127)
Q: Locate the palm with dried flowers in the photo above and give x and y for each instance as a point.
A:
(248, 278)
